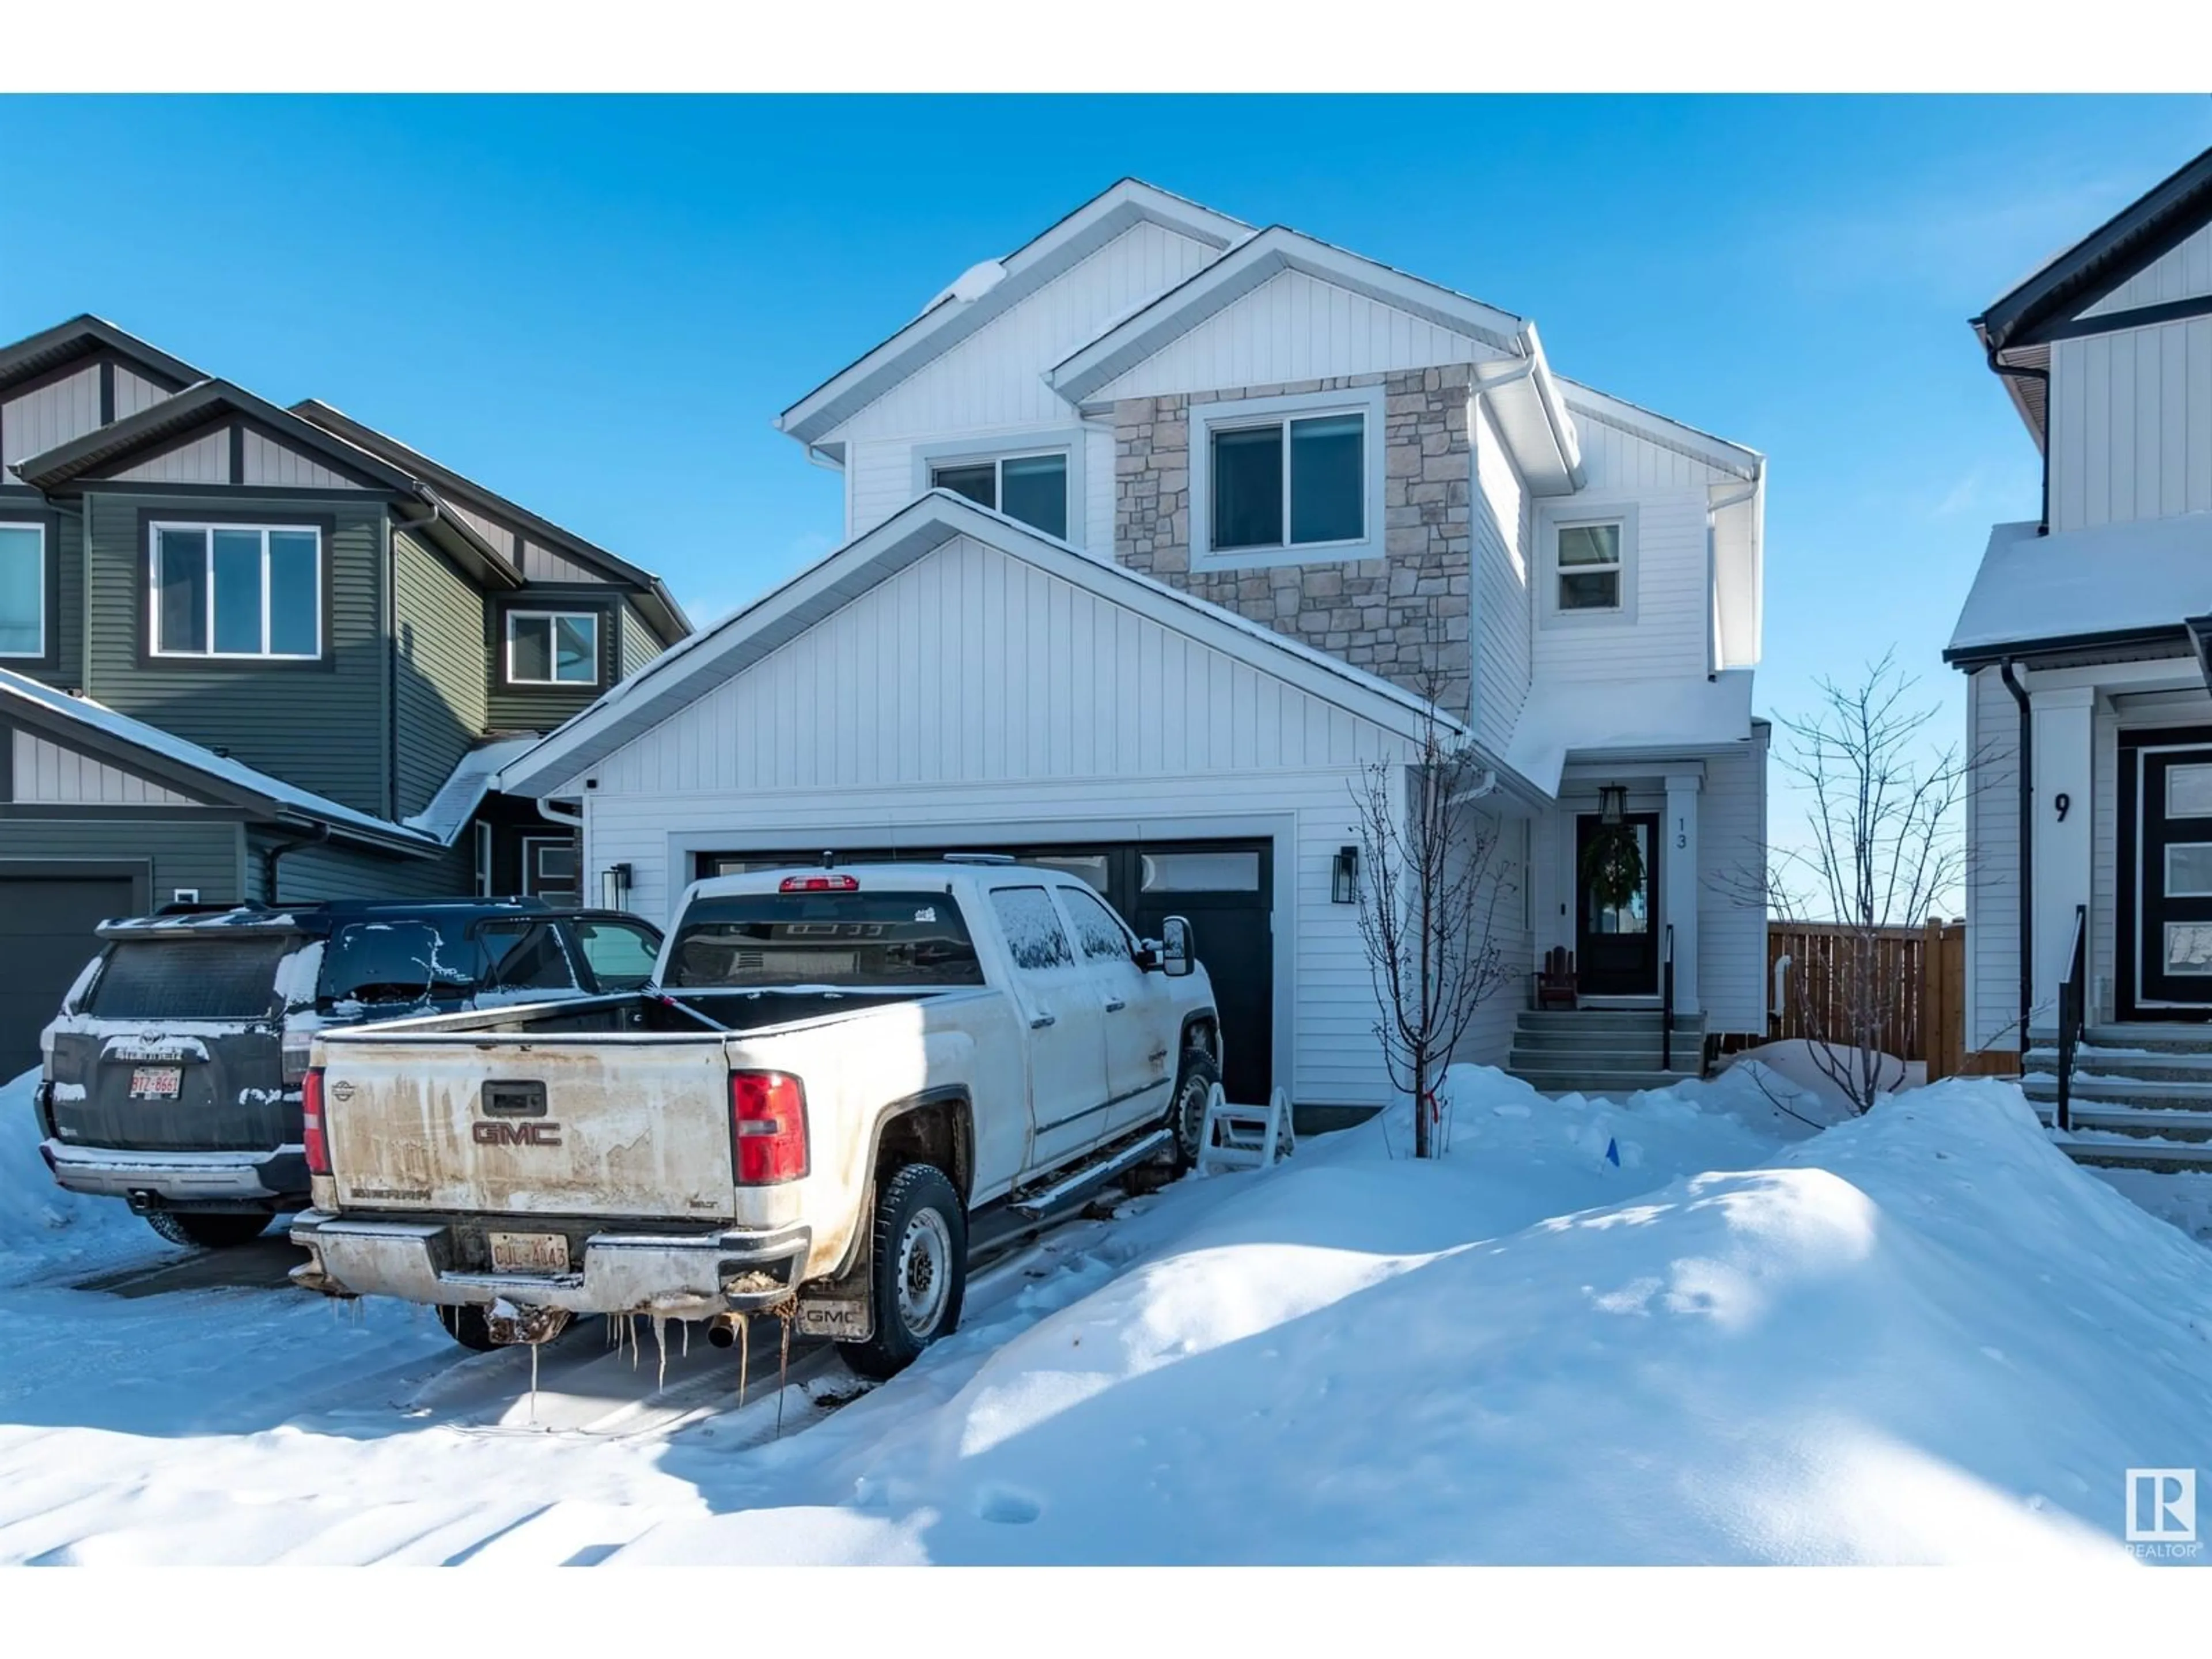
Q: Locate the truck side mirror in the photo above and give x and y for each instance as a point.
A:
(1178, 952)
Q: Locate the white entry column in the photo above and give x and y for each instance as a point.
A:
(1678, 882)
(2063, 724)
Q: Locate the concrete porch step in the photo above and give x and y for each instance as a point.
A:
(1614, 1084)
(2171, 1036)
(1641, 1057)
(1573, 1039)
(2169, 1066)
(2137, 1123)
(1540, 1019)
(2148, 1094)
(2111, 1151)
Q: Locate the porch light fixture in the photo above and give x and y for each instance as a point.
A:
(1612, 802)
(614, 886)
(1344, 877)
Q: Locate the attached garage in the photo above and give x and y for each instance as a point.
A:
(47, 915)
(952, 681)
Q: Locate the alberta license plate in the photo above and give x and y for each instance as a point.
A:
(529, 1253)
(157, 1082)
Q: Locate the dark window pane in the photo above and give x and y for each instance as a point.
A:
(979, 482)
(1248, 487)
(188, 979)
(576, 650)
(396, 961)
(293, 583)
(526, 956)
(530, 648)
(850, 940)
(181, 577)
(1036, 492)
(238, 590)
(1327, 486)
(22, 590)
(1590, 590)
(1590, 543)
(1202, 872)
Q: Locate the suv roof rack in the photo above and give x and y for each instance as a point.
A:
(980, 858)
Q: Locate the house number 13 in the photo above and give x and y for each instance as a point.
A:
(1681, 833)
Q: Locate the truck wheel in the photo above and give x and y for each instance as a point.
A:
(465, 1325)
(209, 1233)
(1187, 1113)
(919, 1274)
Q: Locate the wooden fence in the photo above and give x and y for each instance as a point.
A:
(1920, 976)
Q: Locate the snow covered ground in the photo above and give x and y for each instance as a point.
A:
(1683, 1328)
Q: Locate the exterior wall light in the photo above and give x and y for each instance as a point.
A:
(1612, 802)
(1344, 877)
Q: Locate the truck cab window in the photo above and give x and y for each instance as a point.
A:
(620, 955)
(525, 956)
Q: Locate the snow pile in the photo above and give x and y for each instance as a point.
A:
(1922, 1335)
(42, 1228)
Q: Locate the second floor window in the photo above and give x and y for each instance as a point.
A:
(237, 590)
(22, 590)
(1590, 567)
(553, 647)
(1031, 488)
(1289, 483)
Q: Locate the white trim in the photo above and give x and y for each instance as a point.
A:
(1367, 402)
(999, 448)
(553, 619)
(1699, 445)
(210, 528)
(1573, 514)
(1280, 830)
(45, 598)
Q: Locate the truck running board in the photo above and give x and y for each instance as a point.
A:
(1047, 1198)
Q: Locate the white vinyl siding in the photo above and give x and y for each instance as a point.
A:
(2184, 272)
(1731, 854)
(2132, 425)
(1502, 595)
(1295, 327)
(47, 773)
(1992, 866)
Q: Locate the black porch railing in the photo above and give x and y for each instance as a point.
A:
(1667, 1001)
(2073, 1003)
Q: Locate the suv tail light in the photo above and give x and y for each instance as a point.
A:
(311, 1110)
(767, 1127)
(819, 885)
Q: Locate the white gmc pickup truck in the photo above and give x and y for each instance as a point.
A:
(839, 1082)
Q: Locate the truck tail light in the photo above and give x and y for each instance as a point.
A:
(311, 1110)
(819, 885)
(767, 1127)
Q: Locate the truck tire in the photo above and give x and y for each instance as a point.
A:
(208, 1232)
(465, 1325)
(918, 1276)
(1194, 1080)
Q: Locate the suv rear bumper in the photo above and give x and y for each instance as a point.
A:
(680, 1275)
(180, 1180)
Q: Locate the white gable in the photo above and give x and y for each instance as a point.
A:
(994, 378)
(2184, 272)
(47, 773)
(1295, 327)
(971, 665)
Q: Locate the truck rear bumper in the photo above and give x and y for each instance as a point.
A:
(180, 1180)
(677, 1275)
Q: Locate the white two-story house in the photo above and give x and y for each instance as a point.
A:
(2088, 635)
(1161, 529)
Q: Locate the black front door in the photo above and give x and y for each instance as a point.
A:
(1617, 946)
(2166, 884)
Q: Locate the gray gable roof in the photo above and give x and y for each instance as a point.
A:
(88, 335)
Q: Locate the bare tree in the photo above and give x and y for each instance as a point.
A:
(1886, 849)
(1428, 902)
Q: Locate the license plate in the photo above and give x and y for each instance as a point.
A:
(157, 1082)
(529, 1253)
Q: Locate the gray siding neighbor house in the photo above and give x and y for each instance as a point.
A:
(254, 652)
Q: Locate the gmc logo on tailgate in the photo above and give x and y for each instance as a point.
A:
(515, 1134)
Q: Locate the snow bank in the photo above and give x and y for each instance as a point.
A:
(43, 1229)
(1922, 1335)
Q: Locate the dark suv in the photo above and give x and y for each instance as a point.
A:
(172, 1076)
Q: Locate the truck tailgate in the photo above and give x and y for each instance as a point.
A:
(517, 1126)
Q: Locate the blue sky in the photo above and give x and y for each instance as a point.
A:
(596, 306)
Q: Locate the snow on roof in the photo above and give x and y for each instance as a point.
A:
(2111, 578)
(153, 740)
(1604, 715)
(473, 778)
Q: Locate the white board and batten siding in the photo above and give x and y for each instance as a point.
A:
(47, 773)
(2132, 425)
(1992, 878)
(973, 695)
(2182, 272)
(990, 387)
(1732, 984)
(1504, 585)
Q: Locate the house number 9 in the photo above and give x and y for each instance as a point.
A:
(2062, 802)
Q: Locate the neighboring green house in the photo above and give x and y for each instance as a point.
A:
(253, 651)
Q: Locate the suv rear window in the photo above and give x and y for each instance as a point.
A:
(850, 940)
(188, 979)
(397, 962)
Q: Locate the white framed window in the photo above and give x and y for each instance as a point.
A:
(1587, 553)
(1287, 480)
(1035, 478)
(236, 590)
(22, 590)
(552, 648)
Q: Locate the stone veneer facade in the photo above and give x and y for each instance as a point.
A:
(1401, 616)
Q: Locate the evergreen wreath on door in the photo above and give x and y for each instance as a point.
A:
(1613, 865)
